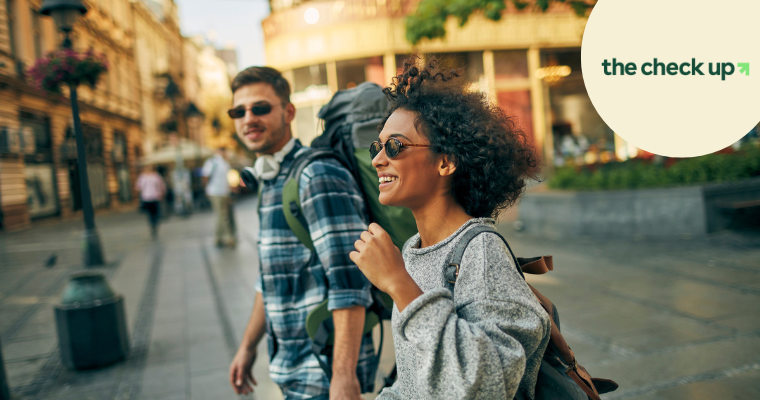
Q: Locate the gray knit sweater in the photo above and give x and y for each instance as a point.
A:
(484, 341)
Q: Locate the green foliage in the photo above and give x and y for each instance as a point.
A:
(429, 19)
(638, 174)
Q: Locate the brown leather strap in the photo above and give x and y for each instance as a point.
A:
(556, 336)
(574, 370)
(583, 379)
(536, 265)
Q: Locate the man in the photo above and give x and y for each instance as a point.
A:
(215, 170)
(293, 281)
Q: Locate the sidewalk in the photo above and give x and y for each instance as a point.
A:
(187, 304)
(666, 320)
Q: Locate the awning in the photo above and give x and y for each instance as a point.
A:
(186, 151)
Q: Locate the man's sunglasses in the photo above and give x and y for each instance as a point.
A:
(257, 110)
(392, 147)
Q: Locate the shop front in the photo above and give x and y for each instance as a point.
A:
(39, 171)
(96, 168)
(119, 157)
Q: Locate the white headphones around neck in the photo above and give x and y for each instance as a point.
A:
(267, 166)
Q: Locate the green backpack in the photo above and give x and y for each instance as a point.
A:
(351, 119)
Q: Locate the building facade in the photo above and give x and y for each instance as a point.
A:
(38, 169)
(210, 91)
(528, 63)
(136, 109)
(159, 47)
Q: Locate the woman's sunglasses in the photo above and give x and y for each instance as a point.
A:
(257, 110)
(392, 147)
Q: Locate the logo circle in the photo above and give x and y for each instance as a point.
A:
(679, 78)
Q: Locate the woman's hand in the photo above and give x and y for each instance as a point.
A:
(381, 262)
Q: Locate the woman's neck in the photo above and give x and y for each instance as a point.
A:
(439, 220)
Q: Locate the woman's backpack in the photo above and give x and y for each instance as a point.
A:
(351, 119)
(560, 377)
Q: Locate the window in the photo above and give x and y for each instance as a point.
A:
(354, 72)
(471, 61)
(308, 76)
(510, 64)
(579, 133)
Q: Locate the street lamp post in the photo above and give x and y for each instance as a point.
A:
(65, 13)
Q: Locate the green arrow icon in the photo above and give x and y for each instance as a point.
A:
(743, 68)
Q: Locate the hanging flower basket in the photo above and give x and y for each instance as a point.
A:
(64, 67)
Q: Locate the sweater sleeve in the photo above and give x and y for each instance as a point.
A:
(474, 347)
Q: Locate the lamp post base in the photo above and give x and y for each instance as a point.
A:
(92, 251)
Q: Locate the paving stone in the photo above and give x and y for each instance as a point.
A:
(176, 395)
(167, 342)
(680, 363)
(677, 331)
(213, 384)
(742, 323)
(88, 392)
(742, 386)
(8, 315)
(37, 330)
(25, 349)
(209, 356)
(164, 377)
(22, 372)
(648, 396)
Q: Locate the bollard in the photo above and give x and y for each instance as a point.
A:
(4, 389)
(92, 328)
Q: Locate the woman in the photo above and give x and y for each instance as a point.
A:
(456, 161)
(152, 190)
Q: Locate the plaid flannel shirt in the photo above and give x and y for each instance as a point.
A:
(293, 282)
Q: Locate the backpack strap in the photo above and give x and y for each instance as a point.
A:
(291, 201)
(319, 323)
(451, 271)
(533, 265)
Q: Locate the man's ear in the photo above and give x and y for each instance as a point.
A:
(446, 165)
(290, 113)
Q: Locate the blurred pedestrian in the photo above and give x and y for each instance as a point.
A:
(181, 187)
(152, 190)
(215, 171)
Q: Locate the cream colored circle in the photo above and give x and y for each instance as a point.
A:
(675, 115)
(311, 15)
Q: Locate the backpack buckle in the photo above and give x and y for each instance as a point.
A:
(572, 367)
(452, 272)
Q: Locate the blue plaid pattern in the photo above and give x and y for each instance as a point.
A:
(293, 282)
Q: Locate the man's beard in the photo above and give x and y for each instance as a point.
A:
(266, 146)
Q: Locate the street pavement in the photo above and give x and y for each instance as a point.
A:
(667, 319)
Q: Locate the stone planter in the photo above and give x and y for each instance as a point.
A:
(670, 212)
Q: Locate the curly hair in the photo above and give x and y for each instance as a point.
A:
(492, 155)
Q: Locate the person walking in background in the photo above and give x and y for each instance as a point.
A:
(152, 190)
(215, 171)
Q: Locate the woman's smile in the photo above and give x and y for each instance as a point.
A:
(387, 180)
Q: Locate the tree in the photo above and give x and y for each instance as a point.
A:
(430, 18)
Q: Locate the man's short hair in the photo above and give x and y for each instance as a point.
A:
(267, 75)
